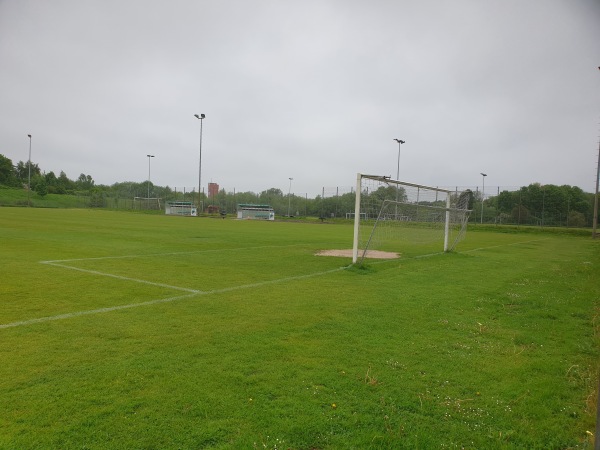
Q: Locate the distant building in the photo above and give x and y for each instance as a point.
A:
(213, 190)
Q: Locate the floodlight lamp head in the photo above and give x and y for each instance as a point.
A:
(400, 141)
(483, 174)
(29, 136)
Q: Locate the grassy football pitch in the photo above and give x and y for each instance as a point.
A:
(122, 330)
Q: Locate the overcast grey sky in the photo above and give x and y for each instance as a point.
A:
(315, 90)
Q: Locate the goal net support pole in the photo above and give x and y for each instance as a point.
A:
(356, 217)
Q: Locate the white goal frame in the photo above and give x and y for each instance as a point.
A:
(358, 214)
(151, 203)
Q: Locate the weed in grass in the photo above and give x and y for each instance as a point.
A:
(370, 379)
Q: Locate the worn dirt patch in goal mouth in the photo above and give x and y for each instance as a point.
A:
(373, 254)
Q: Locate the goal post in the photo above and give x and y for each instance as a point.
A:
(411, 218)
(357, 214)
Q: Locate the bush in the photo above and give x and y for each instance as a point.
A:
(41, 189)
(97, 198)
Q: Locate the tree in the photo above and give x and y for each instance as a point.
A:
(7, 172)
(64, 185)
(51, 179)
(466, 199)
(389, 193)
(22, 171)
(576, 219)
(97, 198)
(272, 192)
(84, 182)
(548, 204)
(580, 202)
(506, 201)
(41, 188)
(51, 182)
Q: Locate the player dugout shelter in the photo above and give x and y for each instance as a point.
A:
(180, 209)
(258, 212)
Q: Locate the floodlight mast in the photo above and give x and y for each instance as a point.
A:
(595, 224)
(594, 236)
(148, 198)
(400, 142)
(289, 196)
(201, 119)
(29, 176)
(482, 193)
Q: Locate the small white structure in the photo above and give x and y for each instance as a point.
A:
(181, 209)
(256, 212)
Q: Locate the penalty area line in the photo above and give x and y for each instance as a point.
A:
(154, 255)
(120, 277)
(192, 293)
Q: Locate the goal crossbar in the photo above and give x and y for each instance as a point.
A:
(384, 179)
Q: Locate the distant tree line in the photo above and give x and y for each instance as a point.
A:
(536, 204)
(544, 205)
(47, 183)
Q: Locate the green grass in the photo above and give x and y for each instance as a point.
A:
(240, 337)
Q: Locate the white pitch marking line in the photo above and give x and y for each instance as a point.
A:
(264, 283)
(483, 248)
(120, 277)
(57, 263)
(147, 255)
(459, 253)
(91, 311)
(193, 293)
(503, 245)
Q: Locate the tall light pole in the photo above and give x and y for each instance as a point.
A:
(289, 196)
(29, 176)
(400, 142)
(148, 198)
(594, 235)
(201, 119)
(483, 175)
(595, 224)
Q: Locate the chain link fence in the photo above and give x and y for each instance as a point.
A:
(536, 205)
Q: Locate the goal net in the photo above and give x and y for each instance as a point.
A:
(406, 218)
(146, 203)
